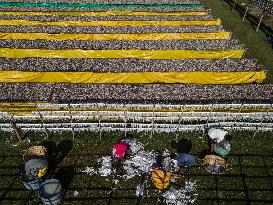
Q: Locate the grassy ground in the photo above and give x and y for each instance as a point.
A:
(248, 182)
(256, 42)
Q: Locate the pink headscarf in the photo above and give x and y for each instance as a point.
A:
(119, 150)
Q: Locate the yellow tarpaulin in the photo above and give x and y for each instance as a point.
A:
(139, 54)
(109, 23)
(28, 107)
(141, 77)
(103, 13)
(118, 36)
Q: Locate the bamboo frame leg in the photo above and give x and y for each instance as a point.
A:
(260, 21)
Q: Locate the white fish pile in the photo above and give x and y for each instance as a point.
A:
(140, 162)
(168, 164)
(90, 171)
(106, 166)
(76, 194)
(105, 65)
(110, 18)
(109, 29)
(165, 93)
(182, 196)
(104, 170)
(135, 146)
(140, 190)
(196, 44)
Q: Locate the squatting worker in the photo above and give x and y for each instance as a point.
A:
(220, 141)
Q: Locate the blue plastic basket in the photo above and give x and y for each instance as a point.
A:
(31, 184)
(55, 196)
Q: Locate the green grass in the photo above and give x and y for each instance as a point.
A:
(251, 154)
(256, 42)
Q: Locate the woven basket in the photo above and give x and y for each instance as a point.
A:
(215, 165)
(35, 151)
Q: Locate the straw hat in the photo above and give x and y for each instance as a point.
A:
(35, 151)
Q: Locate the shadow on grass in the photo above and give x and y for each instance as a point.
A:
(65, 175)
(56, 153)
(182, 145)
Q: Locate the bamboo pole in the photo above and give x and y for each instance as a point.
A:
(99, 127)
(42, 124)
(260, 21)
(14, 127)
(234, 123)
(178, 128)
(234, 4)
(152, 132)
(17, 131)
(99, 120)
(71, 122)
(245, 12)
(261, 123)
(125, 122)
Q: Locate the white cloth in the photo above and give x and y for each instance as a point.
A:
(217, 134)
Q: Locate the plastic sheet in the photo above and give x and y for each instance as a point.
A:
(110, 23)
(139, 54)
(142, 36)
(103, 6)
(103, 13)
(134, 78)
